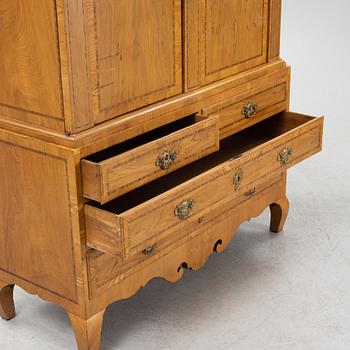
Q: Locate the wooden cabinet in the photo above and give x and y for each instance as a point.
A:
(135, 137)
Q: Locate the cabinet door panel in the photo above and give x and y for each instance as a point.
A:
(231, 36)
(30, 85)
(135, 53)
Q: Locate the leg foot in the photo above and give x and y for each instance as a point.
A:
(7, 306)
(88, 332)
(279, 213)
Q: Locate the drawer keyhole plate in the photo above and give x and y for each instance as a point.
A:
(237, 179)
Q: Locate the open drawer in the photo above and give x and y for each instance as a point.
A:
(135, 222)
(133, 163)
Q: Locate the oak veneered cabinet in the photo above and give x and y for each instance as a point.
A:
(135, 137)
(136, 54)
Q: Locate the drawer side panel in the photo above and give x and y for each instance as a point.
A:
(103, 231)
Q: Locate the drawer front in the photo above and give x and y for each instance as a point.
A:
(265, 97)
(203, 215)
(293, 139)
(112, 240)
(106, 180)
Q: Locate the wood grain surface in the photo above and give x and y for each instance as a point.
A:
(147, 215)
(30, 88)
(135, 57)
(40, 238)
(269, 93)
(111, 280)
(132, 165)
(224, 38)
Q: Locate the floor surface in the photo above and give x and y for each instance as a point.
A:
(266, 292)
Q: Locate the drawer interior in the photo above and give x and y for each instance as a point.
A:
(144, 138)
(230, 148)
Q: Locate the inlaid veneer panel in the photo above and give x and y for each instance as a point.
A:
(135, 53)
(36, 220)
(224, 38)
(31, 88)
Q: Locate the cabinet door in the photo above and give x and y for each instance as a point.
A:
(30, 74)
(135, 51)
(223, 38)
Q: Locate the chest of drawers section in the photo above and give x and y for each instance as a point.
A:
(150, 217)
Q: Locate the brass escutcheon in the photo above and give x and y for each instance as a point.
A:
(237, 179)
(184, 210)
(249, 110)
(285, 156)
(166, 160)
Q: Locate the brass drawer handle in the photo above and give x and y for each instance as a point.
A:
(184, 210)
(250, 192)
(149, 250)
(250, 110)
(285, 156)
(166, 160)
(237, 179)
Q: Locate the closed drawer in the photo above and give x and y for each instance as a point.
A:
(264, 98)
(138, 220)
(124, 167)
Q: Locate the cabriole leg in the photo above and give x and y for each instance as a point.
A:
(88, 332)
(7, 306)
(279, 213)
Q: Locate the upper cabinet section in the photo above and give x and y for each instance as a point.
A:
(223, 38)
(68, 65)
(135, 51)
